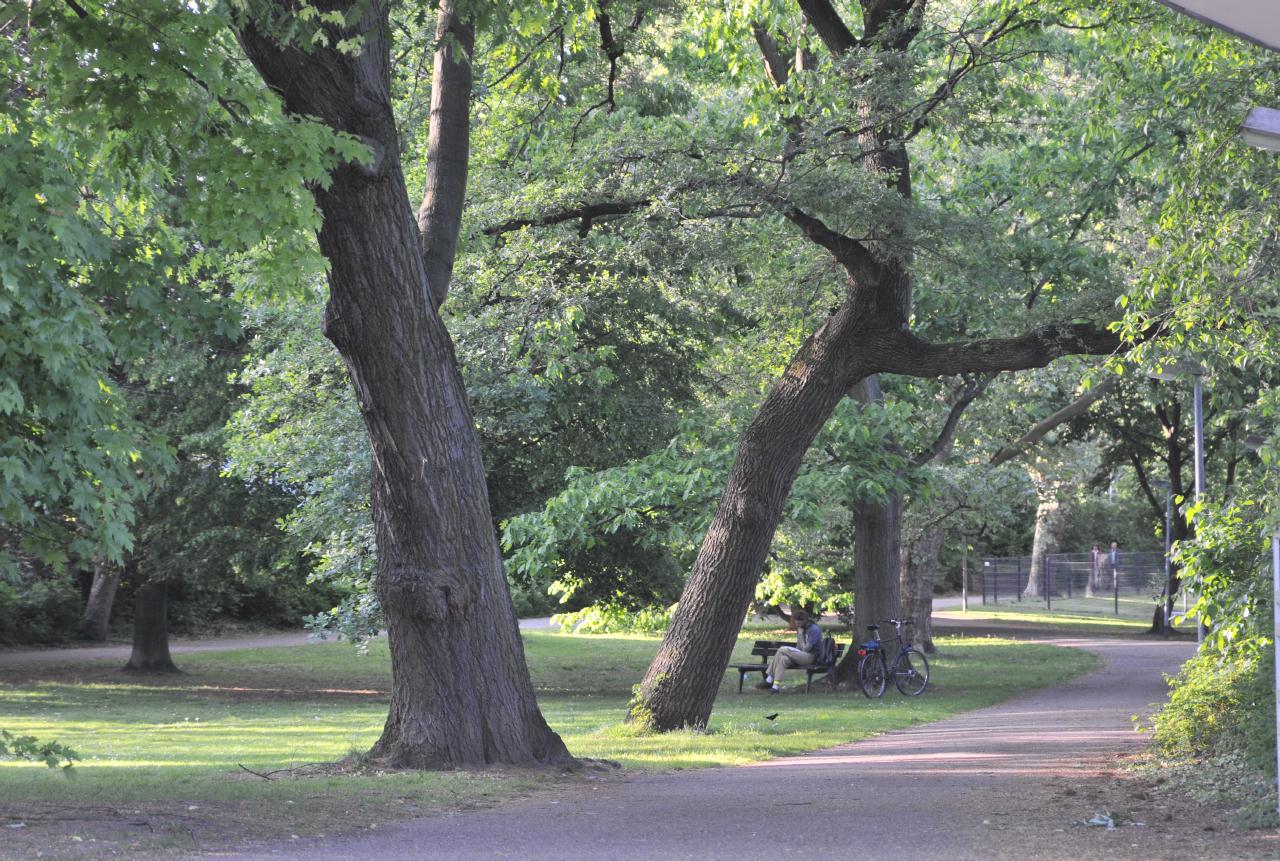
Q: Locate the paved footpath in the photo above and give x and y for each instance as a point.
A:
(938, 791)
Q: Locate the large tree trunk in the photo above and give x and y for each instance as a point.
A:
(877, 537)
(461, 693)
(1051, 524)
(102, 596)
(151, 630)
(919, 573)
(877, 530)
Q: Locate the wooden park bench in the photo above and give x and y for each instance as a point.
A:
(766, 649)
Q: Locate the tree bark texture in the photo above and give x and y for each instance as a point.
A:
(461, 693)
(151, 630)
(877, 530)
(1051, 525)
(102, 596)
(919, 573)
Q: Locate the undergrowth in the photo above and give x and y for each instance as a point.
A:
(1216, 739)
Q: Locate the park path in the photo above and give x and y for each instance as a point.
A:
(18, 658)
(969, 787)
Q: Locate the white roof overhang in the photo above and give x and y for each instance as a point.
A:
(1255, 20)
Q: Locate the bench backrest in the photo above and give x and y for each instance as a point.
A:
(766, 649)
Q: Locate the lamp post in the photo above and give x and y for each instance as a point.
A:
(1255, 443)
(1168, 550)
(1173, 372)
(1275, 638)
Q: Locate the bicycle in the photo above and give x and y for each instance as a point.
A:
(910, 669)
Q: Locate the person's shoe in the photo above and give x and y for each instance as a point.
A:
(764, 686)
(775, 690)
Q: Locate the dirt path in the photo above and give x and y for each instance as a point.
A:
(1009, 782)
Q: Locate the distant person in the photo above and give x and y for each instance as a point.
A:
(802, 654)
(1095, 571)
(1113, 562)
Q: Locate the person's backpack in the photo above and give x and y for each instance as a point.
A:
(826, 652)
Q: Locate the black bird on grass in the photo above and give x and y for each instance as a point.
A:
(773, 716)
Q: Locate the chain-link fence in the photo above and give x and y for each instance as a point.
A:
(1070, 576)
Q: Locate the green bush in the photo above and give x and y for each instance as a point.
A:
(615, 619)
(1222, 707)
(38, 609)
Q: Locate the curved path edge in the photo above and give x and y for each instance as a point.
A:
(941, 790)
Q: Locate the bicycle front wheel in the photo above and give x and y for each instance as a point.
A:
(911, 673)
(871, 674)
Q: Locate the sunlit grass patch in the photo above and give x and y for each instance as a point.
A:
(1079, 615)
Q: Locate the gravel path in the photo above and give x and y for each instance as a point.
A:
(977, 786)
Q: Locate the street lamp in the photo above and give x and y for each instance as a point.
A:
(1262, 128)
(1167, 487)
(1275, 635)
(1175, 371)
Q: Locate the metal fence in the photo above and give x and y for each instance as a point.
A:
(1069, 575)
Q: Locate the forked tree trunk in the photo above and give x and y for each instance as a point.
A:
(102, 596)
(461, 694)
(1051, 525)
(151, 630)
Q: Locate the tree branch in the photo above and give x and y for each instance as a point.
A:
(776, 66)
(1038, 431)
(829, 26)
(448, 147)
(856, 259)
(901, 352)
(585, 212)
(610, 46)
(961, 399)
(943, 91)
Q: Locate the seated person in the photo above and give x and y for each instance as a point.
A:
(802, 654)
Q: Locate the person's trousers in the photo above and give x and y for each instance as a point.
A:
(788, 656)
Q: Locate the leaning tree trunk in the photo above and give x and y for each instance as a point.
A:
(151, 630)
(680, 686)
(102, 596)
(868, 332)
(1051, 524)
(461, 693)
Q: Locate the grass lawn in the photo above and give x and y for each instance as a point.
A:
(161, 757)
(1069, 615)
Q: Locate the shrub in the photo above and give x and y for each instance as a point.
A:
(613, 618)
(38, 609)
(1222, 707)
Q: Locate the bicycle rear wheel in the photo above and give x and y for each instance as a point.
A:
(911, 673)
(871, 675)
